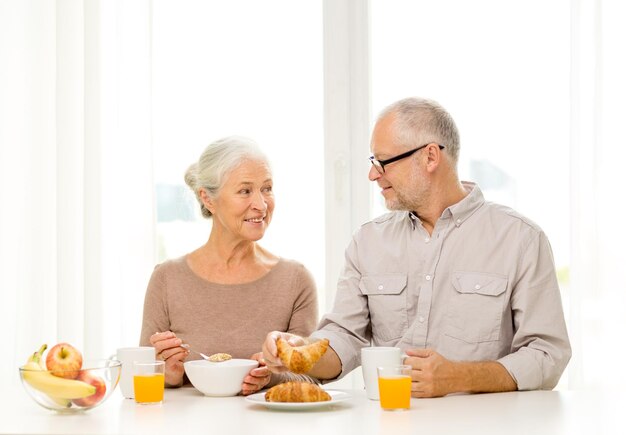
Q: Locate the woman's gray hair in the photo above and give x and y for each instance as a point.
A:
(420, 121)
(216, 162)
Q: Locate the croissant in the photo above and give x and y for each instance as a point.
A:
(302, 358)
(296, 392)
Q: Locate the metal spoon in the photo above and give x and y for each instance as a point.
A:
(186, 346)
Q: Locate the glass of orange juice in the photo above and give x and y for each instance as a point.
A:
(394, 385)
(149, 381)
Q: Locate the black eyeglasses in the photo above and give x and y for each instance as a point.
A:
(380, 164)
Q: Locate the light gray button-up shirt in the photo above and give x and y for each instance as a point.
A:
(481, 287)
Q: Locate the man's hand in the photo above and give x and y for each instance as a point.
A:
(270, 353)
(432, 375)
(435, 376)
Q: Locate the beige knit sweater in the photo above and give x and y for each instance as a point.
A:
(229, 318)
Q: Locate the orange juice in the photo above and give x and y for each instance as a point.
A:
(395, 392)
(149, 388)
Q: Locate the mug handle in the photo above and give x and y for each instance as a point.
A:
(113, 358)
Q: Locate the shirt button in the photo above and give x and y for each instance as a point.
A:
(427, 239)
(421, 319)
(427, 277)
(380, 287)
(477, 286)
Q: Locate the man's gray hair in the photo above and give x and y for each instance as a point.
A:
(419, 121)
(216, 162)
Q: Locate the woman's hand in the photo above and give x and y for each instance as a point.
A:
(257, 378)
(270, 353)
(168, 349)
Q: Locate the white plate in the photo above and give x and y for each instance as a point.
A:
(335, 397)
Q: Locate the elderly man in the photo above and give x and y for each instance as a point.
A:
(466, 287)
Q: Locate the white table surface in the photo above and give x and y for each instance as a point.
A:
(187, 411)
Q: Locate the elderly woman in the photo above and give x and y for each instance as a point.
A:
(225, 296)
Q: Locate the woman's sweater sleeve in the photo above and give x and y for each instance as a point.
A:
(155, 313)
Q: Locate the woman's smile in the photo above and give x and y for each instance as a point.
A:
(259, 219)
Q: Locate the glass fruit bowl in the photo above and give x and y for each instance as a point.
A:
(95, 382)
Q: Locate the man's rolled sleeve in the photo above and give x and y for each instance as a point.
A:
(540, 347)
(344, 349)
(524, 368)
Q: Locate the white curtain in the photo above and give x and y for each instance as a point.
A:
(76, 194)
(598, 289)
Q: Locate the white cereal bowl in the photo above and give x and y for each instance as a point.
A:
(219, 379)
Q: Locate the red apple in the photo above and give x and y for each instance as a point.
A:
(97, 382)
(64, 360)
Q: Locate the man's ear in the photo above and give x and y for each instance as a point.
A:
(433, 157)
(207, 201)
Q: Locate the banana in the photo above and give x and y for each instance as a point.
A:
(60, 390)
(38, 357)
(63, 403)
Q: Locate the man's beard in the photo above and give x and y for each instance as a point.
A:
(408, 199)
(401, 202)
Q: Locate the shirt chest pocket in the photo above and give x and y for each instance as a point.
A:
(386, 297)
(476, 305)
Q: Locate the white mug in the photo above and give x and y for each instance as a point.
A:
(373, 357)
(127, 356)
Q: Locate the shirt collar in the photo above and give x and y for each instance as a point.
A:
(460, 211)
(413, 219)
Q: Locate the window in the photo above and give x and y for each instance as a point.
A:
(504, 77)
(502, 70)
(223, 68)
